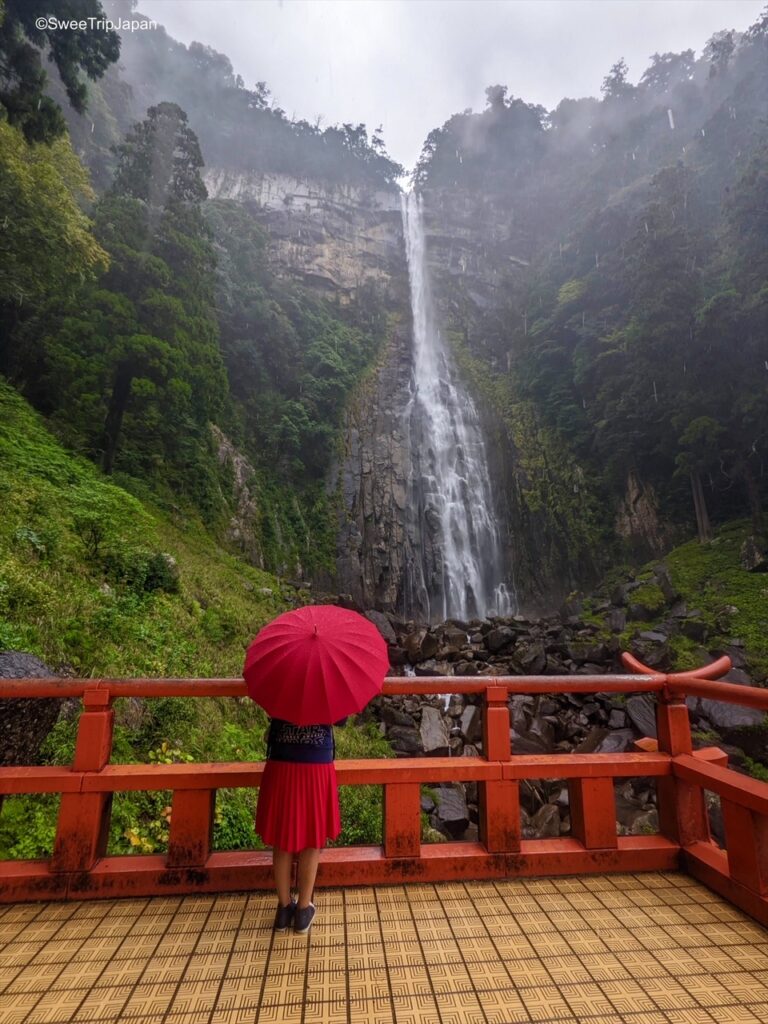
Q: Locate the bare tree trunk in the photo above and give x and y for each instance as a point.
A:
(700, 505)
(755, 505)
(121, 391)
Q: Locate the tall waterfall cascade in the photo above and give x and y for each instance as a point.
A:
(456, 569)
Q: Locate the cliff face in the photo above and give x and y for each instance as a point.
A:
(332, 239)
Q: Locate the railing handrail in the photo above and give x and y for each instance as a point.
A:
(699, 683)
(79, 866)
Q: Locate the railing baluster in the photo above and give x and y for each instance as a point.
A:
(746, 841)
(592, 805)
(82, 830)
(191, 836)
(499, 799)
(682, 809)
(402, 819)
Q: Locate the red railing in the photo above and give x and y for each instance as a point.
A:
(79, 867)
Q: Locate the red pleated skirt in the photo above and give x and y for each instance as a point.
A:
(298, 805)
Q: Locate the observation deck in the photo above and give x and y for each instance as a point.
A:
(592, 927)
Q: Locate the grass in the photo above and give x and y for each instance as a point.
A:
(97, 582)
(73, 586)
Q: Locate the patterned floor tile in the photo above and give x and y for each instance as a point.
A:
(627, 949)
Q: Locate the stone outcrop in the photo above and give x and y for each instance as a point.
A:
(27, 722)
(332, 238)
(244, 501)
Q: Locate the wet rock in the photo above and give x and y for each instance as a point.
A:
(392, 716)
(531, 658)
(617, 719)
(729, 716)
(615, 742)
(406, 742)
(452, 817)
(754, 554)
(433, 733)
(653, 636)
(617, 620)
(430, 645)
(545, 823)
(642, 714)
(499, 638)
(382, 623)
(412, 645)
(472, 724)
(24, 723)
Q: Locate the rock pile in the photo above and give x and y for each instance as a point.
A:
(572, 642)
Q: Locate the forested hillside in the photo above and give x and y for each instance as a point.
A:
(625, 263)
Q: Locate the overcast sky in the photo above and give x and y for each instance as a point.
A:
(409, 64)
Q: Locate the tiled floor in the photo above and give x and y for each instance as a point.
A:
(645, 949)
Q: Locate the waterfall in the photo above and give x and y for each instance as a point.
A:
(456, 566)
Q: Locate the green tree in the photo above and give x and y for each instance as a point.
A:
(23, 38)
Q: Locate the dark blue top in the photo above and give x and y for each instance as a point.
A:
(307, 744)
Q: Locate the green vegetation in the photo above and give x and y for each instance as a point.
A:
(202, 730)
(94, 579)
(627, 264)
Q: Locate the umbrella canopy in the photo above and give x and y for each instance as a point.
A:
(316, 665)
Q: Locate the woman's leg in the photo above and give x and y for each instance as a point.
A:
(308, 861)
(282, 862)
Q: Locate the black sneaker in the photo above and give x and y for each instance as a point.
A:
(284, 917)
(303, 919)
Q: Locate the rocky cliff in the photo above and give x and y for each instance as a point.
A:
(330, 238)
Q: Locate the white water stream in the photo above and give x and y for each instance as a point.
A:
(458, 566)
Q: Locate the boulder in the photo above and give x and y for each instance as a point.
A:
(472, 723)
(617, 719)
(532, 658)
(24, 724)
(729, 716)
(405, 742)
(499, 638)
(434, 735)
(382, 623)
(754, 554)
(617, 620)
(616, 742)
(545, 822)
(642, 714)
(429, 645)
(412, 645)
(452, 817)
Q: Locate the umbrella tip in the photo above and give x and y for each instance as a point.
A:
(315, 629)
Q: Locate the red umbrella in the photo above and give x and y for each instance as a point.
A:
(316, 665)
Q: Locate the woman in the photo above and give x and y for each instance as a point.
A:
(297, 812)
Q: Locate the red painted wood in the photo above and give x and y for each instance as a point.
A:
(593, 813)
(402, 820)
(733, 693)
(565, 766)
(709, 865)
(500, 816)
(78, 868)
(39, 780)
(191, 833)
(739, 789)
(746, 841)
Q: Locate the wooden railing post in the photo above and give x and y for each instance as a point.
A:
(193, 813)
(682, 808)
(82, 830)
(499, 800)
(592, 805)
(746, 842)
(402, 819)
